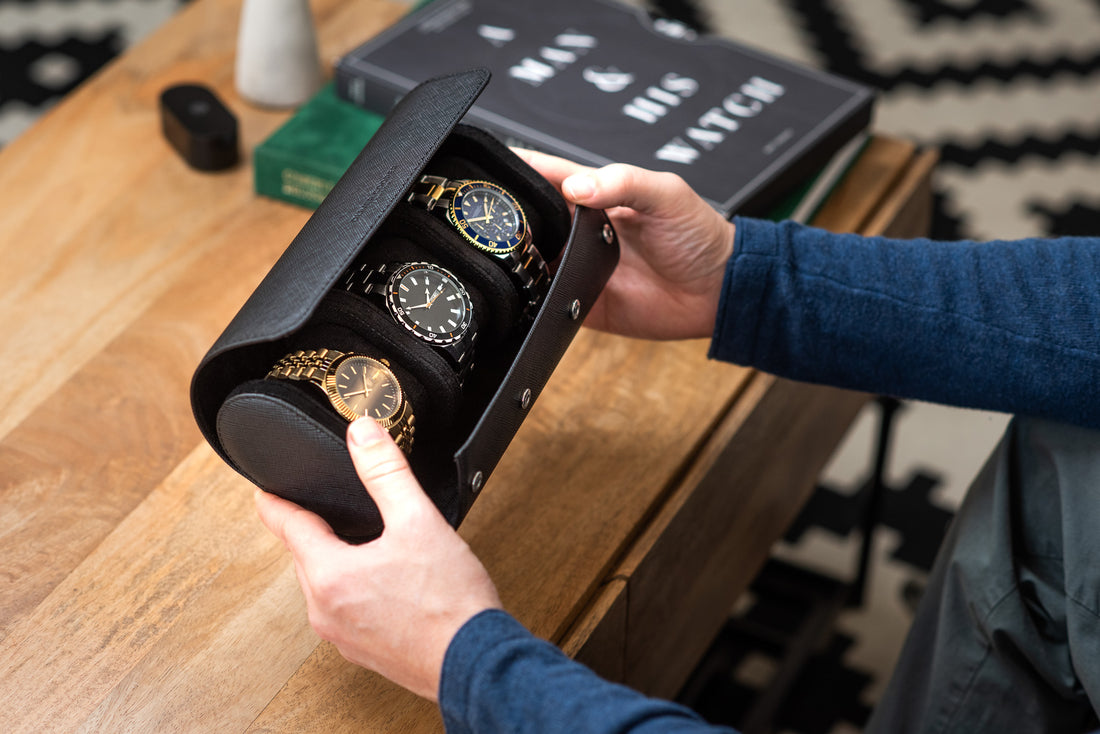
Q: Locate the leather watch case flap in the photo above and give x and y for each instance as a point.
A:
(292, 291)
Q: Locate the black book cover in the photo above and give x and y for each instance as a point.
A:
(598, 82)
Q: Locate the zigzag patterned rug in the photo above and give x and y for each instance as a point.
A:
(1007, 90)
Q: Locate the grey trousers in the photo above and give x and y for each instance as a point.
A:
(1007, 636)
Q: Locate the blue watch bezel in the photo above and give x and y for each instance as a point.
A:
(495, 247)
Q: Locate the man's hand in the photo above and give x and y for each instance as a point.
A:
(674, 247)
(394, 604)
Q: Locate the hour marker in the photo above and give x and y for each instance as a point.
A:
(404, 287)
(452, 323)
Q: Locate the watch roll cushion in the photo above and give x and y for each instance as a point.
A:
(287, 445)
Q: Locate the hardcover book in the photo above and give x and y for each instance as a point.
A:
(598, 82)
(302, 160)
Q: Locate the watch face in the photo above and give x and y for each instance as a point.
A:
(488, 216)
(430, 302)
(360, 386)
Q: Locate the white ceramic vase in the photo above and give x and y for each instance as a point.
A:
(277, 60)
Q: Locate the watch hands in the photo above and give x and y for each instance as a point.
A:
(430, 298)
(438, 293)
(365, 392)
(488, 216)
(488, 212)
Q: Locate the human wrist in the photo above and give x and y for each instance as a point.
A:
(464, 650)
(711, 292)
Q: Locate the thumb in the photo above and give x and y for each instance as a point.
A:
(302, 532)
(384, 471)
(620, 184)
(552, 168)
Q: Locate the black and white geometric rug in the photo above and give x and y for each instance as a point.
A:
(48, 47)
(1007, 90)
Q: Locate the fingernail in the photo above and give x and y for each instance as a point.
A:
(363, 431)
(579, 186)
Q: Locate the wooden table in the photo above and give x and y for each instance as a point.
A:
(138, 591)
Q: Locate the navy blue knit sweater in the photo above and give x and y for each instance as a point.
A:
(1006, 326)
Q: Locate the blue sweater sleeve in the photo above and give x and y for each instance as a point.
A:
(498, 677)
(1007, 326)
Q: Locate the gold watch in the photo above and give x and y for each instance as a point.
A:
(356, 386)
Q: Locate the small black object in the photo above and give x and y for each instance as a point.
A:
(199, 127)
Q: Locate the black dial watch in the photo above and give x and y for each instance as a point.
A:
(356, 386)
(490, 219)
(428, 301)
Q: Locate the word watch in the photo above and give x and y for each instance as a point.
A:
(428, 301)
(356, 386)
(490, 219)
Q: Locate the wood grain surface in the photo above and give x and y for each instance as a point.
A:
(138, 591)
